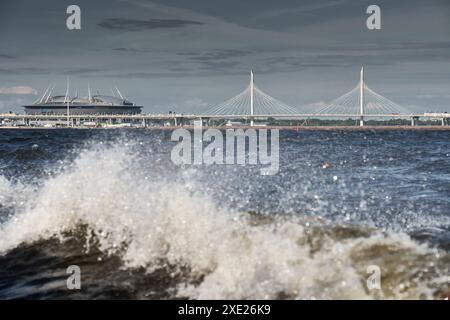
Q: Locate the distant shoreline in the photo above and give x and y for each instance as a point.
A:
(285, 128)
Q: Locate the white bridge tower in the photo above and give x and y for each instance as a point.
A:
(361, 97)
(252, 95)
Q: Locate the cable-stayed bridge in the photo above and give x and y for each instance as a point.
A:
(253, 104)
(360, 102)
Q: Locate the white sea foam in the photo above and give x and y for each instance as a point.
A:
(171, 223)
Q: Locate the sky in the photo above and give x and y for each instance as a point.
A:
(189, 55)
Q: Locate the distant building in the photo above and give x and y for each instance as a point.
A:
(97, 104)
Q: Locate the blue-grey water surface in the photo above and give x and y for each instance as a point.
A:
(113, 202)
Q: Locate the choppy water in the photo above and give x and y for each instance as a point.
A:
(112, 202)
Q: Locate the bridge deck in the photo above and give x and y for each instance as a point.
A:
(210, 116)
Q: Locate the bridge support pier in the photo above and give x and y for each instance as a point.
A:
(445, 121)
(414, 121)
(361, 122)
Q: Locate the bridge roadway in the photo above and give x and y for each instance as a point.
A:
(26, 118)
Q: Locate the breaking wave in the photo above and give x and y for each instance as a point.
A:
(155, 223)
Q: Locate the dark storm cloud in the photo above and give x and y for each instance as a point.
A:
(223, 60)
(218, 54)
(140, 25)
(298, 62)
(223, 66)
(177, 73)
(82, 71)
(385, 47)
(46, 71)
(147, 75)
(130, 49)
(368, 54)
(24, 71)
(6, 56)
(297, 45)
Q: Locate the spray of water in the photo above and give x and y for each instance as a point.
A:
(154, 223)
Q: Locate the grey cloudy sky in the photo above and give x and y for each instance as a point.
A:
(186, 55)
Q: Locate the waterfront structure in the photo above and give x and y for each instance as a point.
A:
(92, 104)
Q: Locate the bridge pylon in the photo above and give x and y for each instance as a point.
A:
(362, 102)
(251, 103)
(361, 97)
(252, 96)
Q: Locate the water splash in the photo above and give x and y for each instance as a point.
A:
(155, 222)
